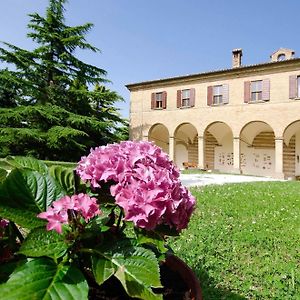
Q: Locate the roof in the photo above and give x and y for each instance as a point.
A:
(237, 70)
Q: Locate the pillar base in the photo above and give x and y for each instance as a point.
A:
(279, 175)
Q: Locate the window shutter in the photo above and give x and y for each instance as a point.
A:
(293, 87)
(192, 97)
(152, 100)
(266, 89)
(164, 100)
(178, 98)
(209, 95)
(247, 91)
(225, 97)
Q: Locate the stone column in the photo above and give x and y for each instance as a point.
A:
(236, 155)
(171, 148)
(279, 158)
(201, 152)
(145, 138)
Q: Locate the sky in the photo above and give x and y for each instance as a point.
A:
(146, 40)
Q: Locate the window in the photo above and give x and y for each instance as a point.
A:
(256, 90)
(158, 100)
(298, 86)
(217, 94)
(185, 98)
(281, 57)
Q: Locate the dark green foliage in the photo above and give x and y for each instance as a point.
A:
(53, 105)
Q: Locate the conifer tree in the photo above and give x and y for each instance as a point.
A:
(52, 104)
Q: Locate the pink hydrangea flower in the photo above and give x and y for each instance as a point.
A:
(147, 183)
(57, 213)
(3, 223)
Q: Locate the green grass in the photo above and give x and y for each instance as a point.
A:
(243, 241)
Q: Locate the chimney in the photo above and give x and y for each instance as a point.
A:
(237, 58)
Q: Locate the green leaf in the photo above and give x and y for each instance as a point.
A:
(136, 268)
(102, 269)
(150, 238)
(3, 174)
(24, 188)
(41, 242)
(24, 218)
(42, 279)
(27, 162)
(64, 176)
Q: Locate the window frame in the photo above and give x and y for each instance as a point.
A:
(158, 100)
(256, 92)
(298, 86)
(217, 95)
(186, 101)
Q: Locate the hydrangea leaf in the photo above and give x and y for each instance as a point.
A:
(3, 174)
(64, 176)
(41, 242)
(136, 268)
(24, 218)
(28, 189)
(42, 279)
(102, 269)
(27, 162)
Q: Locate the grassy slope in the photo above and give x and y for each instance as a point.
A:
(244, 241)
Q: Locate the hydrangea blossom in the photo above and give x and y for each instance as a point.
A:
(3, 223)
(147, 184)
(57, 213)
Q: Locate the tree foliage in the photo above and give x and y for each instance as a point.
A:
(52, 104)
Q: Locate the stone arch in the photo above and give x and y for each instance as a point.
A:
(218, 147)
(186, 145)
(291, 150)
(257, 148)
(159, 134)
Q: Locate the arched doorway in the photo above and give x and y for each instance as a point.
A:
(257, 148)
(159, 134)
(186, 145)
(218, 147)
(291, 150)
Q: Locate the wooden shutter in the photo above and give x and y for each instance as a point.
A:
(293, 87)
(179, 98)
(247, 95)
(225, 97)
(153, 100)
(164, 100)
(209, 95)
(192, 97)
(266, 89)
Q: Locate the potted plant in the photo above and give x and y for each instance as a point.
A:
(93, 233)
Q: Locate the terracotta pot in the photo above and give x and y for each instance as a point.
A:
(175, 264)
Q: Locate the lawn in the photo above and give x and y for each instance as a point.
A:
(243, 241)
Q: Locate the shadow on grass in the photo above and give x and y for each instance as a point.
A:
(209, 288)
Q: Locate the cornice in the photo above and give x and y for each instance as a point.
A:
(243, 71)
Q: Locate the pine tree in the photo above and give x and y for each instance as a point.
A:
(58, 114)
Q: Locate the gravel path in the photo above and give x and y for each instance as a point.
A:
(205, 179)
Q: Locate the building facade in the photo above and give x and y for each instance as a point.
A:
(240, 120)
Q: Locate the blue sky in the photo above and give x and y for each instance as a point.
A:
(145, 40)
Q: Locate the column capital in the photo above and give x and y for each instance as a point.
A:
(278, 138)
(236, 138)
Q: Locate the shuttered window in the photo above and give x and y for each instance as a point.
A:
(217, 94)
(159, 100)
(257, 90)
(186, 98)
